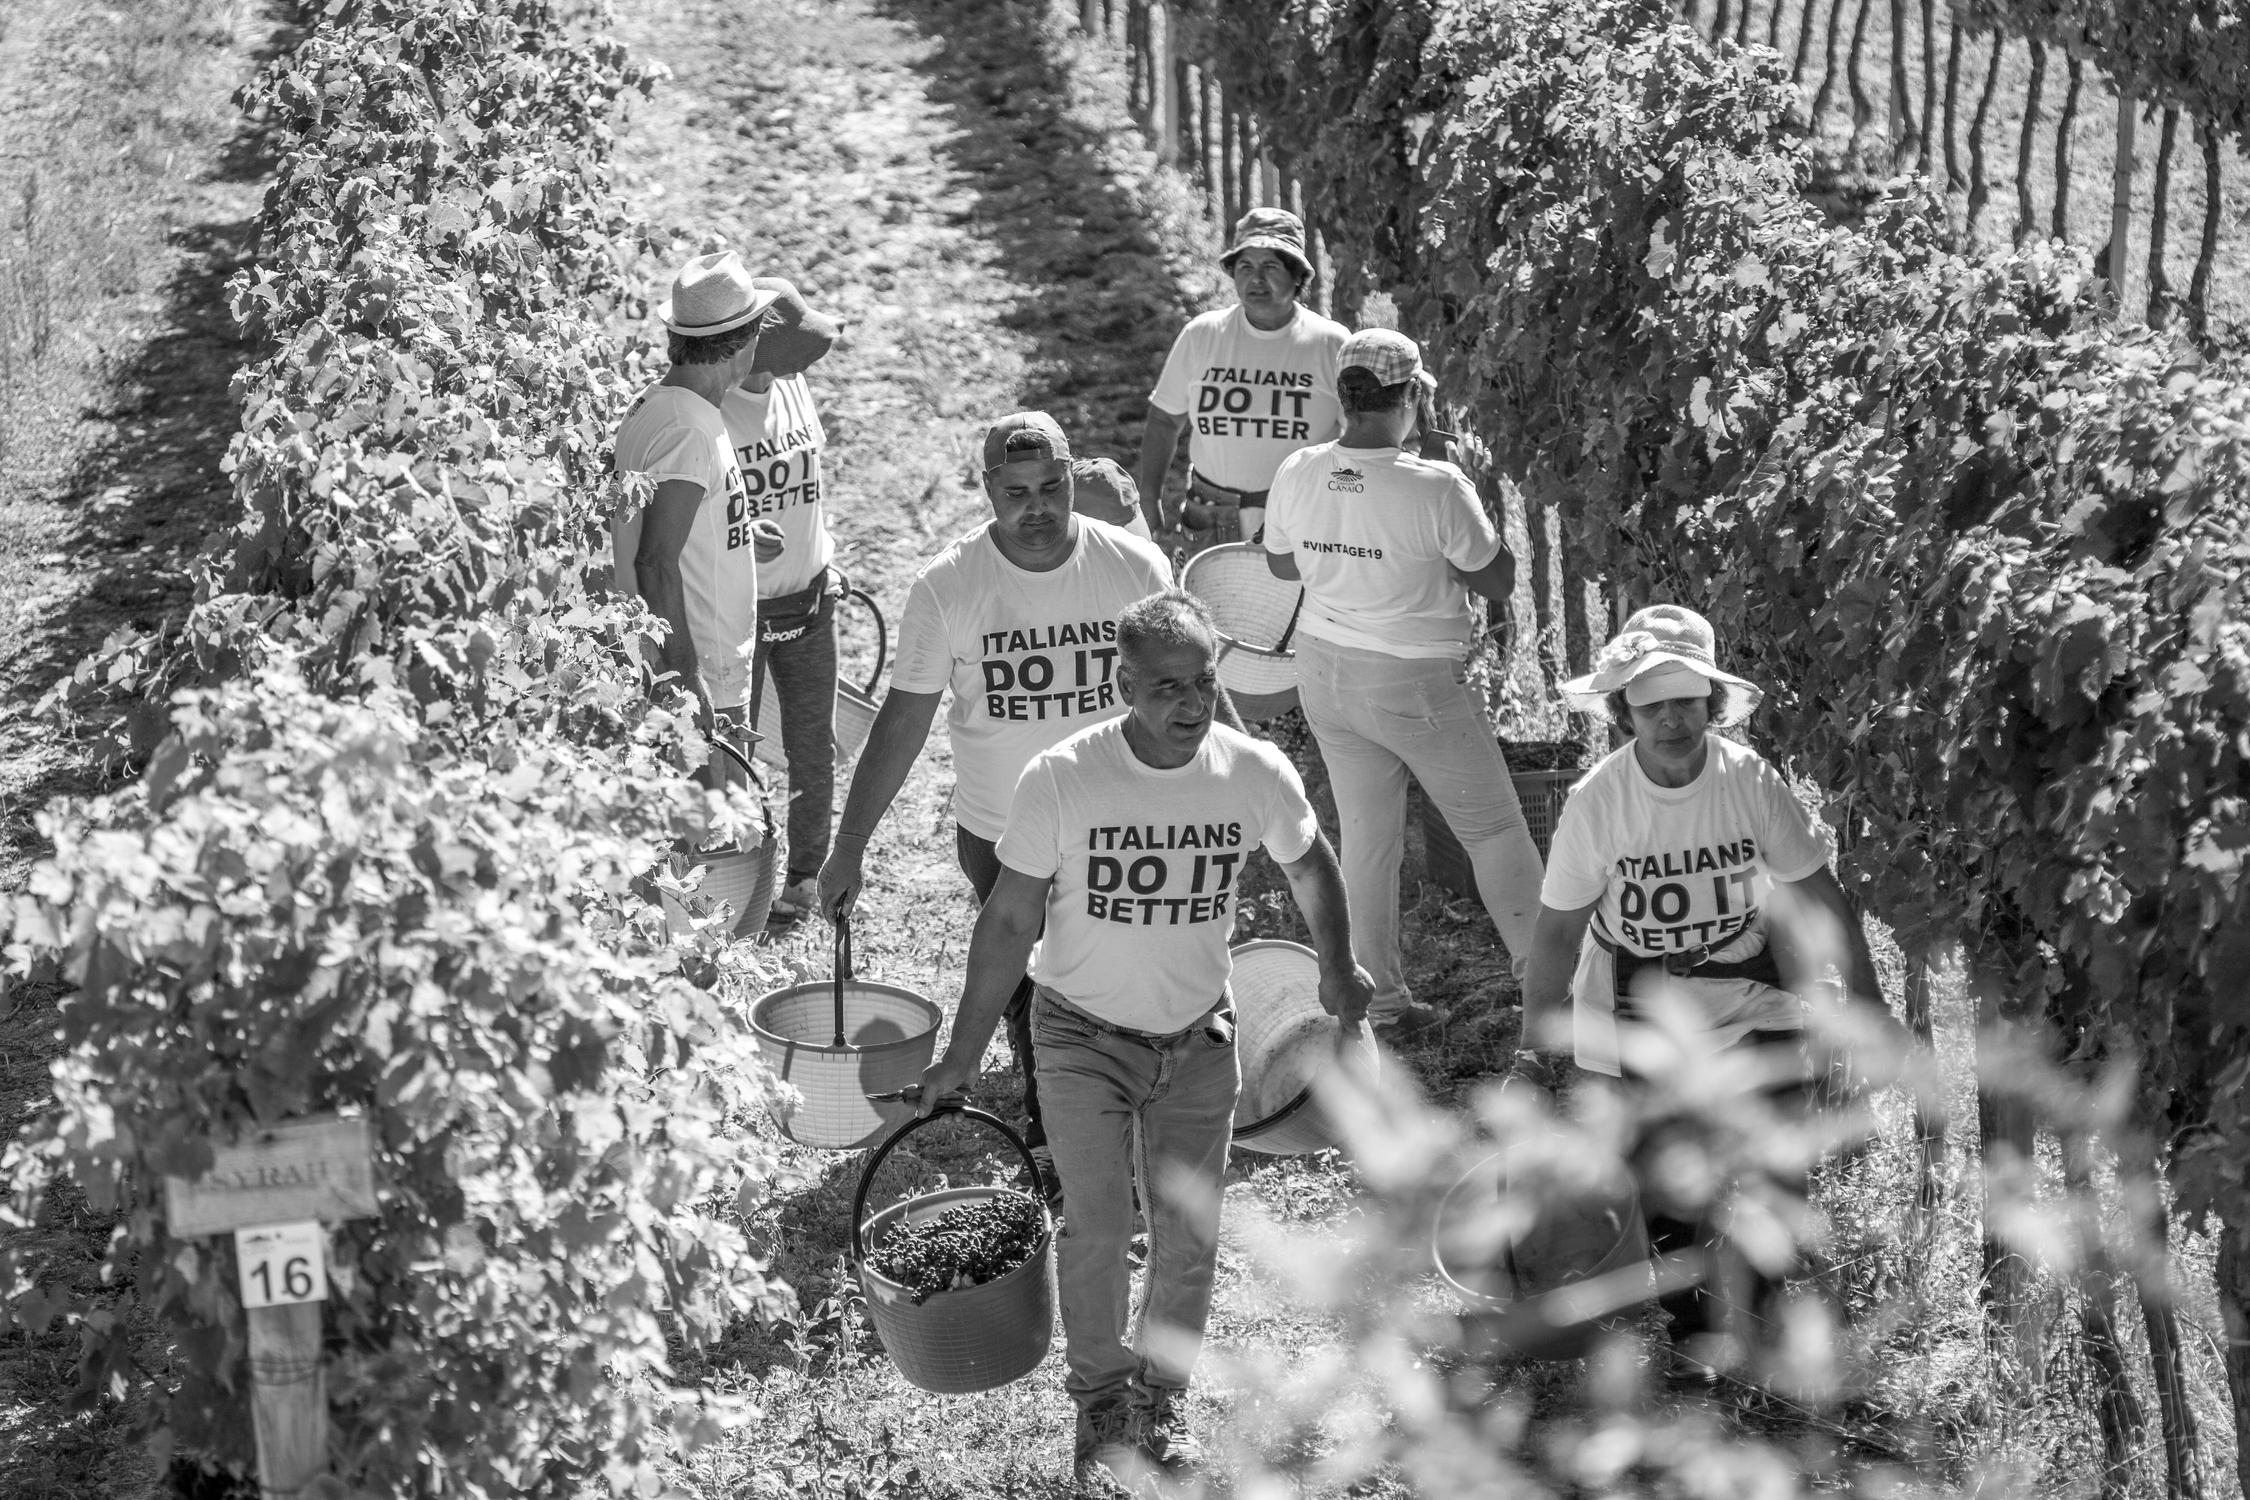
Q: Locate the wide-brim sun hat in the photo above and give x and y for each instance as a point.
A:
(796, 337)
(1275, 229)
(1671, 652)
(714, 294)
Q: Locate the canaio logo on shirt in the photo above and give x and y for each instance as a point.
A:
(1346, 481)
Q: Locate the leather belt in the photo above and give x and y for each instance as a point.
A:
(1687, 963)
(1218, 1020)
(1219, 494)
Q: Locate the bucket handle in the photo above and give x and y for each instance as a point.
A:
(945, 1107)
(882, 637)
(843, 971)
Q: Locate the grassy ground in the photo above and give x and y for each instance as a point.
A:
(128, 187)
(1854, 143)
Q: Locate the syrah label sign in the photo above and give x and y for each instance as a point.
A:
(318, 1169)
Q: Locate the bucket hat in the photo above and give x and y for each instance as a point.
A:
(713, 294)
(1275, 229)
(796, 337)
(1668, 651)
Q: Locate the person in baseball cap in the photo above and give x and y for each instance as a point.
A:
(1017, 620)
(1389, 545)
(1249, 384)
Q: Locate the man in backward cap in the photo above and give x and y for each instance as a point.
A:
(778, 441)
(691, 549)
(1019, 619)
(1389, 545)
(1250, 384)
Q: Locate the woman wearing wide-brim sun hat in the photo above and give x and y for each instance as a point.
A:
(1250, 384)
(1688, 895)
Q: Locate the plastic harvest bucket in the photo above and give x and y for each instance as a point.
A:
(836, 1043)
(1283, 1041)
(741, 879)
(855, 706)
(977, 1337)
(1256, 614)
(1546, 1280)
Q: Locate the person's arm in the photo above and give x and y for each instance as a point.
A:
(1345, 988)
(1555, 943)
(1821, 931)
(999, 950)
(1160, 439)
(624, 546)
(1496, 580)
(901, 728)
(666, 524)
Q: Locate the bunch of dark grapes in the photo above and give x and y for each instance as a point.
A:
(967, 1245)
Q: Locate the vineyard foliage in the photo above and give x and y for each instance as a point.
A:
(2191, 55)
(1986, 549)
(405, 778)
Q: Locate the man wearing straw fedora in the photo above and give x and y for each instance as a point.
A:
(778, 441)
(1389, 545)
(1124, 845)
(691, 550)
(1250, 384)
(1018, 619)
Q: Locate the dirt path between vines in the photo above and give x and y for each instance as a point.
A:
(972, 202)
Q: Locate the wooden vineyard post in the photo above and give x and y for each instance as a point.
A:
(2121, 201)
(277, 1190)
(1269, 175)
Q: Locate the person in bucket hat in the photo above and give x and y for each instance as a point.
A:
(779, 443)
(1250, 384)
(686, 542)
(1389, 546)
(1688, 910)
(1018, 621)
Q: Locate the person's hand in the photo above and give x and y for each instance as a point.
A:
(1345, 993)
(840, 880)
(948, 1076)
(766, 539)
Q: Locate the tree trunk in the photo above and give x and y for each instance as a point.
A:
(1979, 187)
(1954, 181)
(1906, 131)
(1537, 519)
(2115, 1408)
(1090, 15)
(2234, 1314)
(1863, 105)
(1742, 24)
(1773, 23)
(1929, 1127)
(1205, 144)
(1827, 90)
(2007, 1153)
(2199, 286)
(2120, 266)
(1929, 86)
(2066, 128)
(1230, 144)
(2025, 228)
(1720, 15)
(2159, 226)
(1808, 24)
(2183, 1462)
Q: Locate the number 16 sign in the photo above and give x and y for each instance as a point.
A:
(282, 1264)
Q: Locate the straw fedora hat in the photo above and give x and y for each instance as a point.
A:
(714, 294)
(1668, 650)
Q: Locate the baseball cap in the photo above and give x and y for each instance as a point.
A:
(1385, 353)
(1021, 436)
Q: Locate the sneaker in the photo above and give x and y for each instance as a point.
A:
(1110, 1457)
(1409, 1020)
(1165, 1431)
(795, 901)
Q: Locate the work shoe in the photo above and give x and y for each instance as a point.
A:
(1409, 1020)
(795, 901)
(1110, 1457)
(1165, 1431)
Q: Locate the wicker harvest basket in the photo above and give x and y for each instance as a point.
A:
(1284, 1042)
(741, 880)
(1257, 616)
(836, 1043)
(974, 1338)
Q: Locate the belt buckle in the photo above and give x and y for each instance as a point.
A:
(1685, 962)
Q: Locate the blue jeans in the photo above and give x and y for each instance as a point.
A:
(1119, 1108)
(801, 677)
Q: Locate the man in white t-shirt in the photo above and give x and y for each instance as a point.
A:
(1126, 845)
(1249, 384)
(691, 550)
(779, 442)
(1389, 546)
(1019, 620)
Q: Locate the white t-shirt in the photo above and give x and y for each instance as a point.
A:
(671, 433)
(1031, 657)
(1145, 863)
(778, 440)
(1675, 868)
(1254, 397)
(1373, 531)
